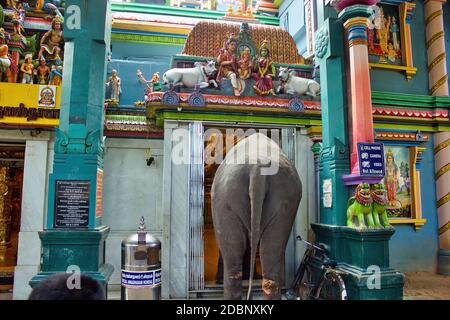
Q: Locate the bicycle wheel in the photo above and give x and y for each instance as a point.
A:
(331, 287)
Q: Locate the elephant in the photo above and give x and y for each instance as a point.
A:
(249, 203)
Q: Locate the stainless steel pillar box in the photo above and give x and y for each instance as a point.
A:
(141, 266)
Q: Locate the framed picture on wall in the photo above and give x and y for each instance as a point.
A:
(389, 37)
(402, 184)
(397, 181)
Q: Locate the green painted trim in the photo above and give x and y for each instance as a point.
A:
(409, 100)
(148, 39)
(436, 128)
(182, 12)
(186, 115)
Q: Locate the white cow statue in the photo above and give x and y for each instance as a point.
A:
(292, 84)
(190, 77)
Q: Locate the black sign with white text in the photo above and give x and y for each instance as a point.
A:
(72, 204)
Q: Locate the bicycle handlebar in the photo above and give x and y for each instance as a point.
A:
(321, 249)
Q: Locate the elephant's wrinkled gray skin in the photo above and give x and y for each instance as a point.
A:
(248, 206)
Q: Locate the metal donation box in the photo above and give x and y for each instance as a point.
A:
(141, 266)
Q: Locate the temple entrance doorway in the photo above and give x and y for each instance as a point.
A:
(213, 264)
(190, 209)
(11, 182)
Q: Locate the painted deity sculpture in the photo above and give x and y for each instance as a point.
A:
(5, 63)
(292, 84)
(52, 41)
(199, 75)
(360, 208)
(228, 68)
(42, 72)
(265, 71)
(379, 206)
(14, 4)
(394, 34)
(383, 36)
(251, 205)
(27, 69)
(114, 83)
(245, 64)
(56, 76)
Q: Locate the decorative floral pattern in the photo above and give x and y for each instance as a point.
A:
(322, 39)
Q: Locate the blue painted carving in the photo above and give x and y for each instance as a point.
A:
(296, 104)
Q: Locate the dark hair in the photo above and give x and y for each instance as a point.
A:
(55, 288)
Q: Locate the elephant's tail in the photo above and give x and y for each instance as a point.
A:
(257, 193)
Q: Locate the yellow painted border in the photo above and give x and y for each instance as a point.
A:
(416, 206)
(418, 223)
(161, 27)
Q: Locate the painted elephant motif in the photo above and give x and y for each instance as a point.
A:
(250, 203)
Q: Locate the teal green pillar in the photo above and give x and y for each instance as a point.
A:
(334, 159)
(74, 236)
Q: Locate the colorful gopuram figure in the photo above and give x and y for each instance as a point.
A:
(27, 69)
(13, 4)
(115, 85)
(265, 71)
(56, 75)
(51, 42)
(228, 65)
(5, 60)
(391, 178)
(394, 34)
(245, 64)
(383, 36)
(42, 71)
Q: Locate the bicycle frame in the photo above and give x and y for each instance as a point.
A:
(291, 293)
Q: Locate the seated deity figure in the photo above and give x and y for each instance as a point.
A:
(245, 64)
(265, 71)
(51, 42)
(228, 66)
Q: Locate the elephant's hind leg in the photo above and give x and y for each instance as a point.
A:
(272, 249)
(232, 241)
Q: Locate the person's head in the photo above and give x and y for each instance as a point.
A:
(264, 50)
(57, 24)
(231, 43)
(28, 58)
(114, 73)
(245, 54)
(390, 157)
(58, 287)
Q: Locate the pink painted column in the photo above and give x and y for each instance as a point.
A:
(360, 94)
(360, 102)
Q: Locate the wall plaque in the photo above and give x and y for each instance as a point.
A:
(72, 204)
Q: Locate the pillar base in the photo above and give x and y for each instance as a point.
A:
(364, 256)
(362, 285)
(81, 248)
(444, 262)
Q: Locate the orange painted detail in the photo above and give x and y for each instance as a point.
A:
(99, 194)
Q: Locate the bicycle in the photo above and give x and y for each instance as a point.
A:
(329, 284)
